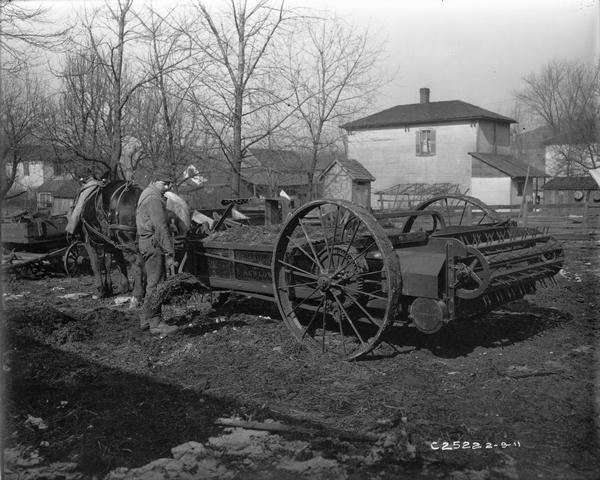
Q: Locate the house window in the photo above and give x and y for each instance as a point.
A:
(58, 168)
(44, 200)
(25, 169)
(425, 142)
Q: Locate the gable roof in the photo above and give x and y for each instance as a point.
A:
(508, 164)
(353, 168)
(571, 183)
(425, 113)
(287, 166)
(60, 188)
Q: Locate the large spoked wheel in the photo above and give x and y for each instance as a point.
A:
(76, 260)
(458, 211)
(336, 278)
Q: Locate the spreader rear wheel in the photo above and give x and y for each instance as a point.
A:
(336, 278)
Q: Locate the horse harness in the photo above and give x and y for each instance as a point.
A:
(104, 219)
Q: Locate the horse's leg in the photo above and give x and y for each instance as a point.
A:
(95, 264)
(124, 286)
(107, 290)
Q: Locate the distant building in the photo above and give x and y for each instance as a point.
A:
(505, 177)
(267, 171)
(575, 189)
(56, 196)
(439, 143)
(564, 156)
(529, 146)
(347, 179)
(37, 164)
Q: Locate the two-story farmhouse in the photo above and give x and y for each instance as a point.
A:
(447, 142)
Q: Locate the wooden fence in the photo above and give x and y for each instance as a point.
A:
(574, 221)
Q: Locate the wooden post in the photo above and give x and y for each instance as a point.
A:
(586, 211)
(522, 211)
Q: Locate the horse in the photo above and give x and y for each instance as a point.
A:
(106, 213)
(107, 222)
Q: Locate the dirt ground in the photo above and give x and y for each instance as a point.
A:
(511, 395)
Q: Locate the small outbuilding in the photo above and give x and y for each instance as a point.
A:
(573, 189)
(347, 179)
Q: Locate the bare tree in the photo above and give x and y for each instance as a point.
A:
(78, 120)
(566, 97)
(22, 28)
(112, 39)
(21, 100)
(161, 118)
(232, 54)
(332, 73)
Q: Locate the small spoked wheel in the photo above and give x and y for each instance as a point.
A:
(336, 278)
(460, 210)
(472, 274)
(76, 260)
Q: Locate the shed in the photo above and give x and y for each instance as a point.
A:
(573, 189)
(347, 179)
(500, 179)
(56, 195)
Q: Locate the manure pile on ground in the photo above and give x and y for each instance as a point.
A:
(173, 286)
(256, 234)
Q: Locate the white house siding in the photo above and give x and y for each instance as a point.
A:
(337, 184)
(493, 138)
(390, 155)
(31, 181)
(492, 190)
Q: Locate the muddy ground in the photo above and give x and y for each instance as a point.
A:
(87, 392)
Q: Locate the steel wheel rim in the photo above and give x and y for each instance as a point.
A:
(458, 204)
(73, 260)
(329, 264)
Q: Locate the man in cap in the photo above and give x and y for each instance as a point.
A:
(156, 246)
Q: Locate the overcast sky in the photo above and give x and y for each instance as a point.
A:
(471, 50)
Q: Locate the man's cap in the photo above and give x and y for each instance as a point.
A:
(162, 174)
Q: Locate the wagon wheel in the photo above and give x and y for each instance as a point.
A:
(336, 278)
(472, 274)
(458, 210)
(76, 260)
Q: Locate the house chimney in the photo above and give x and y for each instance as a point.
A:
(424, 92)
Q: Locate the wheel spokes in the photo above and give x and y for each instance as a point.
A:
(300, 271)
(344, 312)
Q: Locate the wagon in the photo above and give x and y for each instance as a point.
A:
(341, 276)
(39, 245)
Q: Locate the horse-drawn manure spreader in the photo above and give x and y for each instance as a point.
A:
(341, 275)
